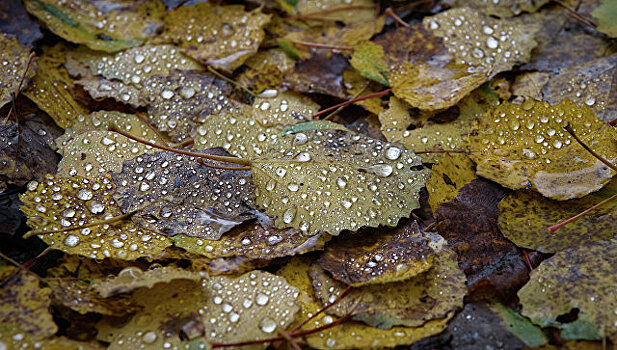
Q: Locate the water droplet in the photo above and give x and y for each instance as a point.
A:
(557, 144)
(292, 187)
(96, 207)
(289, 215)
(167, 94)
(341, 182)
(261, 299)
(267, 325)
(69, 213)
(71, 240)
(149, 337)
(85, 194)
(383, 170)
(303, 157)
(590, 101)
(492, 42)
(187, 92)
(300, 138)
(393, 153)
(139, 59)
(144, 186)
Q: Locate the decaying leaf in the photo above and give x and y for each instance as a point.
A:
(375, 257)
(258, 240)
(524, 218)
(25, 304)
(350, 334)
(132, 278)
(249, 307)
(579, 281)
(447, 178)
(60, 209)
(109, 25)
(14, 337)
(14, 20)
(15, 59)
(333, 180)
(222, 36)
(489, 324)
(265, 69)
(308, 8)
(527, 147)
(591, 84)
(469, 224)
(51, 87)
(24, 151)
(428, 296)
(319, 74)
(174, 194)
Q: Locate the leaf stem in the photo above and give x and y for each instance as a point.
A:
(224, 159)
(555, 227)
(232, 82)
(339, 298)
(322, 46)
(346, 103)
(593, 153)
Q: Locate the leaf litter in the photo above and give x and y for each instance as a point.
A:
(199, 203)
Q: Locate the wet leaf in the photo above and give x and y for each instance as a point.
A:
(527, 147)
(350, 334)
(308, 7)
(131, 66)
(491, 324)
(321, 73)
(398, 124)
(266, 69)
(589, 84)
(175, 194)
(221, 36)
(254, 240)
(14, 20)
(51, 88)
(250, 132)
(580, 278)
(219, 310)
(428, 296)
(15, 58)
(88, 149)
(77, 295)
(366, 182)
(13, 337)
(469, 224)
(447, 178)
(25, 304)
(108, 25)
(24, 151)
(132, 278)
(606, 13)
(524, 218)
(501, 8)
(375, 257)
(57, 204)
(368, 58)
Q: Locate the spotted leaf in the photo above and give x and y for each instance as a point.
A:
(173, 194)
(527, 147)
(61, 209)
(333, 180)
(14, 57)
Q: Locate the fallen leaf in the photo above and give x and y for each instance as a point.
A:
(376, 257)
(411, 303)
(59, 208)
(606, 13)
(366, 182)
(527, 147)
(447, 178)
(109, 25)
(172, 194)
(579, 280)
(24, 303)
(221, 36)
(524, 218)
(15, 59)
(501, 8)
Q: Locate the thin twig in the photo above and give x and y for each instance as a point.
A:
(365, 97)
(577, 16)
(593, 153)
(395, 17)
(231, 81)
(555, 227)
(224, 159)
(338, 299)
